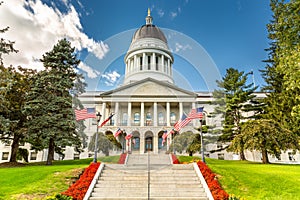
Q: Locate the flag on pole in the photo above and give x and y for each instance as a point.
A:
(196, 113)
(105, 121)
(85, 113)
(164, 136)
(184, 120)
(128, 136)
(119, 131)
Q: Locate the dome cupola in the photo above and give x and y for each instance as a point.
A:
(148, 54)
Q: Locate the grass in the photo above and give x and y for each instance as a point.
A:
(245, 180)
(250, 181)
(37, 181)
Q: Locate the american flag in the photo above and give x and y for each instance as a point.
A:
(119, 131)
(182, 122)
(105, 121)
(164, 136)
(196, 113)
(128, 136)
(85, 113)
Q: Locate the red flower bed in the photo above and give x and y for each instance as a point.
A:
(174, 159)
(213, 184)
(80, 187)
(122, 158)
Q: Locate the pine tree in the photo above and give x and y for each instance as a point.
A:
(233, 96)
(283, 66)
(49, 105)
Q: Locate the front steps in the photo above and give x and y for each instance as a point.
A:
(130, 181)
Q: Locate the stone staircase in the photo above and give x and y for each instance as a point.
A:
(139, 180)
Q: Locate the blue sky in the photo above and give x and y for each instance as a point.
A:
(205, 36)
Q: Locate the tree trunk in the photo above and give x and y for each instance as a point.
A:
(265, 159)
(14, 148)
(242, 155)
(50, 152)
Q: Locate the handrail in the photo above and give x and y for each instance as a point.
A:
(148, 163)
(93, 183)
(203, 182)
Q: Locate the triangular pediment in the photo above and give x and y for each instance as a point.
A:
(149, 87)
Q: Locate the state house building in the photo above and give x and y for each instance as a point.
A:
(147, 103)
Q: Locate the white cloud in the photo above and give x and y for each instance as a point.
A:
(111, 77)
(91, 73)
(36, 27)
(160, 12)
(173, 14)
(180, 47)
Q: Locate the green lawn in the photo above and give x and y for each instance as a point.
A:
(243, 179)
(37, 181)
(250, 181)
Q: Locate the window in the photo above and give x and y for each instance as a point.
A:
(76, 156)
(124, 119)
(221, 156)
(136, 118)
(33, 155)
(149, 62)
(141, 63)
(5, 155)
(156, 63)
(148, 119)
(161, 118)
(173, 118)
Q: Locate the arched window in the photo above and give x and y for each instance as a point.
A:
(136, 118)
(124, 119)
(173, 118)
(148, 119)
(161, 118)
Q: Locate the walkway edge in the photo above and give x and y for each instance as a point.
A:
(93, 183)
(203, 182)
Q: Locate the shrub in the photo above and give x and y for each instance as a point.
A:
(213, 184)
(122, 158)
(174, 159)
(80, 187)
(59, 197)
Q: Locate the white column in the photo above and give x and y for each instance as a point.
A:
(142, 114)
(155, 114)
(129, 114)
(134, 63)
(153, 62)
(116, 114)
(168, 67)
(168, 114)
(144, 60)
(103, 112)
(162, 63)
(180, 109)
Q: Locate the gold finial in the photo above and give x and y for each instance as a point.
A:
(149, 11)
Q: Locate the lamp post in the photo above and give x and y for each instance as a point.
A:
(98, 117)
(202, 146)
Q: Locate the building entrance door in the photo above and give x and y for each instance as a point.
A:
(149, 144)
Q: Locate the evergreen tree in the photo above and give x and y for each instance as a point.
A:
(6, 46)
(283, 66)
(49, 103)
(233, 96)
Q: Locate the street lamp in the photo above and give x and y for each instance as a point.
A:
(202, 146)
(98, 117)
